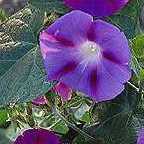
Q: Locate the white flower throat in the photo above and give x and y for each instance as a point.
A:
(91, 50)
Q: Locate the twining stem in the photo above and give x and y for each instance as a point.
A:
(132, 85)
(136, 88)
(54, 124)
(29, 115)
(73, 126)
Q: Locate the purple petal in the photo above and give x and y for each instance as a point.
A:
(59, 64)
(60, 41)
(106, 87)
(97, 66)
(40, 100)
(119, 72)
(64, 91)
(113, 42)
(37, 136)
(68, 30)
(96, 82)
(97, 7)
(140, 139)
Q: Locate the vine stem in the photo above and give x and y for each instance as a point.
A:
(136, 88)
(132, 85)
(73, 126)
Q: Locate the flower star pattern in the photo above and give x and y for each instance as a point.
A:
(90, 56)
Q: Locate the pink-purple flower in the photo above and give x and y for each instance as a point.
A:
(37, 136)
(60, 89)
(63, 91)
(97, 7)
(40, 100)
(90, 56)
(140, 139)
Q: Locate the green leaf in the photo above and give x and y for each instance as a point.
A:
(28, 20)
(82, 140)
(3, 15)
(3, 117)
(22, 76)
(54, 123)
(81, 111)
(142, 79)
(127, 18)
(49, 5)
(61, 127)
(86, 117)
(138, 46)
(142, 74)
(117, 121)
(135, 66)
(117, 130)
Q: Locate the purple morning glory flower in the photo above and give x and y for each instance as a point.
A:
(141, 137)
(40, 100)
(37, 136)
(63, 91)
(97, 7)
(90, 56)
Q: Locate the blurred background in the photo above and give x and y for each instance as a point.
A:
(11, 6)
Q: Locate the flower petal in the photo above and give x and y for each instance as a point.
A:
(71, 28)
(37, 136)
(59, 63)
(40, 100)
(107, 86)
(114, 44)
(95, 81)
(140, 139)
(98, 62)
(119, 72)
(63, 91)
(97, 7)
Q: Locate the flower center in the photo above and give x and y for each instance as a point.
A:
(91, 50)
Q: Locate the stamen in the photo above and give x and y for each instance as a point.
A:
(91, 50)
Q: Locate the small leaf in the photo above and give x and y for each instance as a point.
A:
(81, 111)
(142, 79)
(86, 117)
(61, 128)
(142, 74)
(3, 15)
(138, 46)
(3, 117)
